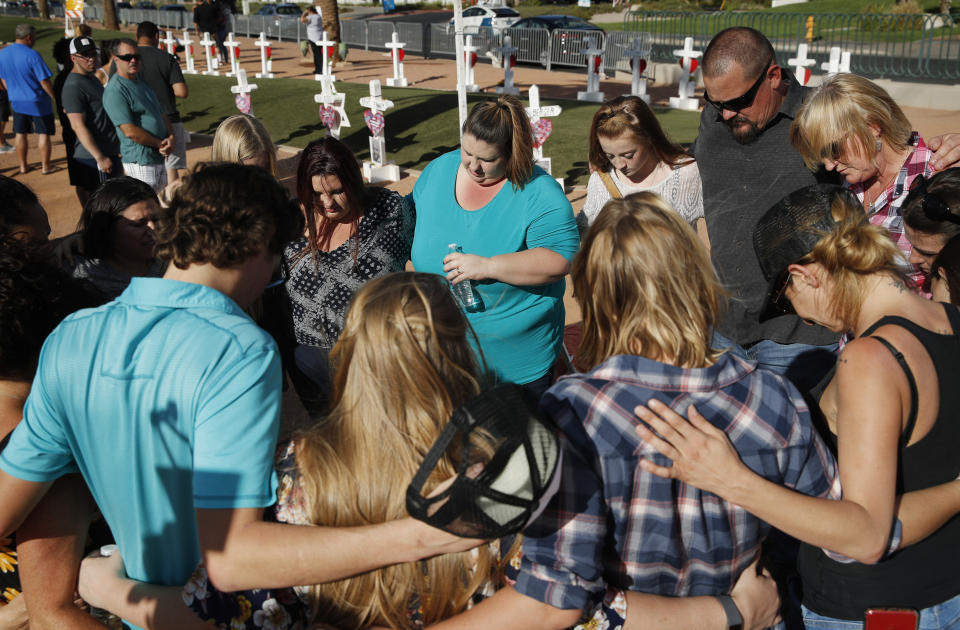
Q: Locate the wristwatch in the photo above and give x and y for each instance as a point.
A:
(734, 619)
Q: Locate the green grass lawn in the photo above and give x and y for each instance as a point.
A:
(422, 126)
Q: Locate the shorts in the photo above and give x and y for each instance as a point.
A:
(154, 175)
(5, 110)
(84, 172)
(24, 123)
(178, 157)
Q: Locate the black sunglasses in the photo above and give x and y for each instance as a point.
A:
(778, 298)
(933, 206)
(741, 102)
(128, 58)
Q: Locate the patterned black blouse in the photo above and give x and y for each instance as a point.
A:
(319, 299)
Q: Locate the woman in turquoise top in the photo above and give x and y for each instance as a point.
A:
(516, 235)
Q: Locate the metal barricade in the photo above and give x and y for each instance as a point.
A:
(532, 44)
(566, 46)
(411, 33)
(354, 33)
(617, 43)
(881, 45)
(379, 32)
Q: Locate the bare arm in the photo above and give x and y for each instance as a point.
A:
(530, 267)
(86, 139)
(141, 136)
(509, 609)
(49, 548)
(180, 89)
(869, 424)
(103, 584)
(242, 552)
(47, 87)
(19, 499)
(946, 151)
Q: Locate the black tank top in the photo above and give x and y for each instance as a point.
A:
(926, 573)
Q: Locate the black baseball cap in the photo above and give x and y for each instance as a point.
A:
(82, 46)
(507, 461)
(788, 232)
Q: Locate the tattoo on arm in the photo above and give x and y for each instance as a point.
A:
(898, 285)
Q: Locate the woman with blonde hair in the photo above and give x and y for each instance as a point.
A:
(892, 406)
(630, 153)
(617, 544)
(852, 126)
(243, 139)
(503, 233)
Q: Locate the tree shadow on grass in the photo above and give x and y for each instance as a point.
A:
(188, 117)
(317, 129)
(576, 170)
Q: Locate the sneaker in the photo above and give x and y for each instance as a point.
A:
(6, 148)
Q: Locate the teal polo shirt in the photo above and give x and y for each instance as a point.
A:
(165, 400)
(134, 102)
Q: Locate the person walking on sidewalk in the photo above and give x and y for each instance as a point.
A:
(27, 80)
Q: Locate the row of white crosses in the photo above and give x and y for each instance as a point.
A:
(839, 62)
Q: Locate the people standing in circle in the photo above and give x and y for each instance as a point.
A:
(517, 233)
(354, 233)
(630, 153)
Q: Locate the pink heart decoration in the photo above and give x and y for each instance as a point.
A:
(375, 122)
(804, 76)
(243, 102)
(541, 131)
(643, 65)
(329, 117)
(597, 62)
(400, 55)
(694, 64)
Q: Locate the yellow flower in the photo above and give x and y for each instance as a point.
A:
(8, 561)
(246, 608)
(10, 594)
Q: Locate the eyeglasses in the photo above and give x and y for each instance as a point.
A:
(741, 102)
(779, 300)
(933, 206)
(128, 58)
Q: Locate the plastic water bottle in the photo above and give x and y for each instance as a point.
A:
(463, 290)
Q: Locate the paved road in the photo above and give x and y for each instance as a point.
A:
(426, 17)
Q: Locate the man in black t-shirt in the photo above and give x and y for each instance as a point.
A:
(162, 73)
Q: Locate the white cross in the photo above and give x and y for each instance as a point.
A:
(375, 101)
(207, 44)
(685, 98)
(397, 80)
(188, 52)
(329, 97)
(506, 54)
(324, 45)
(535, 112)
(839, 62)
(802, 64)
(233, 48)
(637, 54)
(264, 46)
(593, 54)
(378, 168)
(469, 60)
(170, 42)
(242, 87)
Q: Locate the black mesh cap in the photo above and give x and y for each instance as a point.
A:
(789, 231)
(507, 460)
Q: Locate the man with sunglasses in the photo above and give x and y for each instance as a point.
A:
(96, 150)
(931, 216)
(747, 164)
(146, 136)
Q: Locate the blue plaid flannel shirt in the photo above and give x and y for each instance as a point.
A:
(614, 526)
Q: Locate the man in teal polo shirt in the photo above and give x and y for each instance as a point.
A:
(167, 401)
(146, 136)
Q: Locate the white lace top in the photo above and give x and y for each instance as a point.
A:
(682, 190)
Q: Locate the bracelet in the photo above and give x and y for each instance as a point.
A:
(734, 618)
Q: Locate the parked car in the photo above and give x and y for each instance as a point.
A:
(477, 17)
(553, 22)
(174, 7)
(124, 5)
(531, 36)
(281, 9)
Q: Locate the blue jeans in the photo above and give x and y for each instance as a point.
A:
(943, 616)
(804, 364)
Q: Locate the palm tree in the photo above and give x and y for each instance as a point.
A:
(110, 15)
(44, 9)
(330, 14)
